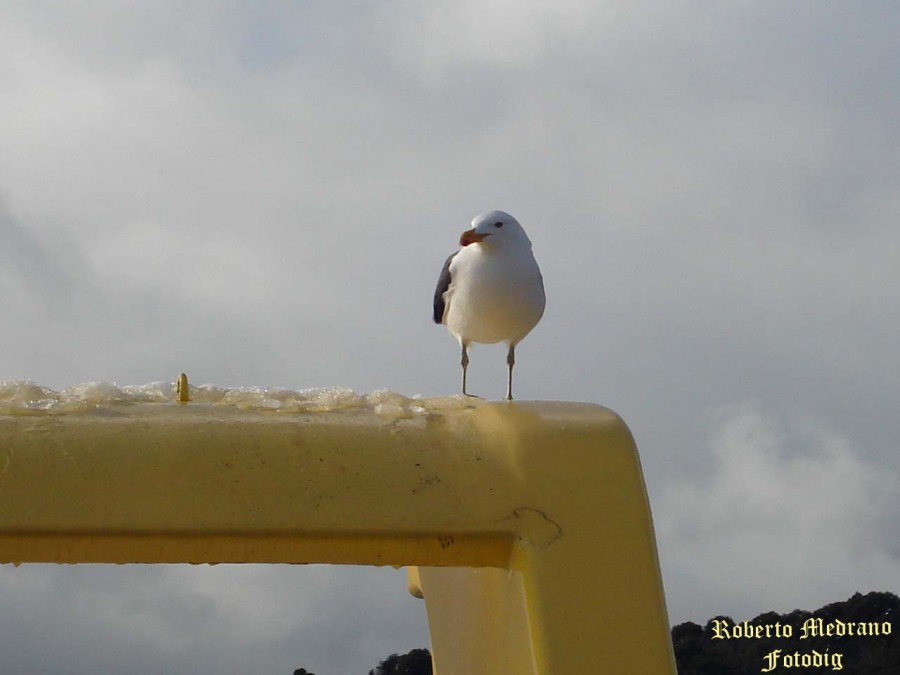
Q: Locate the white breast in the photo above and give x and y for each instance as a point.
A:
(494, 296)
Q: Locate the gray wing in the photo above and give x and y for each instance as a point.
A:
(442, 285)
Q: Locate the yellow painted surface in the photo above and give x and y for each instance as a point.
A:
(529, 522)
(479, 621)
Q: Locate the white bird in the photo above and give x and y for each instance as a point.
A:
(491, 289)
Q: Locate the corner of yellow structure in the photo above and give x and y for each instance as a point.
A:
(528, 522)
(413, 584)
(583, 592)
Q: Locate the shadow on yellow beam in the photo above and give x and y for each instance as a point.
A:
(529, 522)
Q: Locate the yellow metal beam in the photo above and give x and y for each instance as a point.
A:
(529, 521)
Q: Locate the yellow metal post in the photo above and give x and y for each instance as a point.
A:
(529, 521)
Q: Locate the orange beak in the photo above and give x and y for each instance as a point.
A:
(471, 237)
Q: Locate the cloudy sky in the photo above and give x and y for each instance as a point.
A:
(263, 194)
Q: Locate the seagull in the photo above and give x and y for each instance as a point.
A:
(491, 289)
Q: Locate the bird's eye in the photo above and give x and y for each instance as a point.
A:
(499, 223)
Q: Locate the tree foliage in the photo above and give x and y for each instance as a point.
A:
(416, 662)
(699, 652)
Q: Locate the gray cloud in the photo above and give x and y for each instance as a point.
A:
(186, 619)
(788, 509)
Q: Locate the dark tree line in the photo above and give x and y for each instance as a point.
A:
(416, 662)
(699, 652)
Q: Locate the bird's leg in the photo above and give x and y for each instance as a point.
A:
(465, 364)
(510, 361)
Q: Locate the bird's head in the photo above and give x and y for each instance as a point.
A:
(494, 228)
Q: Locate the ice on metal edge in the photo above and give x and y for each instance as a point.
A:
(24, 397)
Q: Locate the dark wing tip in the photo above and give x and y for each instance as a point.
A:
(442, 285)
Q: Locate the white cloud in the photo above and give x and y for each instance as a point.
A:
(495, 33)
(786, 515)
